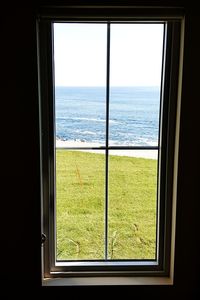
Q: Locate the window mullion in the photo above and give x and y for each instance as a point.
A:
(107, 137)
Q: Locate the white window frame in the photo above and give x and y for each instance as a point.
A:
(112, 273)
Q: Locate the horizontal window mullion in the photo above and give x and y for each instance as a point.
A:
(133, 147)
(80, 148)
(111, 148)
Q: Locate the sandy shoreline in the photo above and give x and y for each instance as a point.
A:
(152, 154)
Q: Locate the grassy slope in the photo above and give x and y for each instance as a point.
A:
(80, 206)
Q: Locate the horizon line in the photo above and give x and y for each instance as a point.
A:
(104, 86)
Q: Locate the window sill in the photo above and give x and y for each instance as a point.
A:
(91, 281)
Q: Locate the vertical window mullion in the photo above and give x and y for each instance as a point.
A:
(107, 137)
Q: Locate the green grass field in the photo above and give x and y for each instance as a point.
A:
(80, 203)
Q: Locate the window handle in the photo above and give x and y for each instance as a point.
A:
(43, 238)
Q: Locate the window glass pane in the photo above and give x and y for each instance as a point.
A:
(132, 205)
(80, 201)
(80, 104)
(80, 77)
(135, 77)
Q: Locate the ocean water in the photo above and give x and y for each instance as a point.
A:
(133, 112)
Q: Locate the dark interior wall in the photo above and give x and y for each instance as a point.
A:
(20, 200)
(19, 115)
(187, 237)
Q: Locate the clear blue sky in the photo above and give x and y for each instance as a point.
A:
(80, 54)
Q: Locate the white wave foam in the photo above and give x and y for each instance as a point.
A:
(94, 120)
(88, 132)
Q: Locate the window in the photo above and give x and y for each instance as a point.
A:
(108, 121)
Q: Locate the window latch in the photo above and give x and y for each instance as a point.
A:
(43, 238)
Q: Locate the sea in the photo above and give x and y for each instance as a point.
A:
(133, 115)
